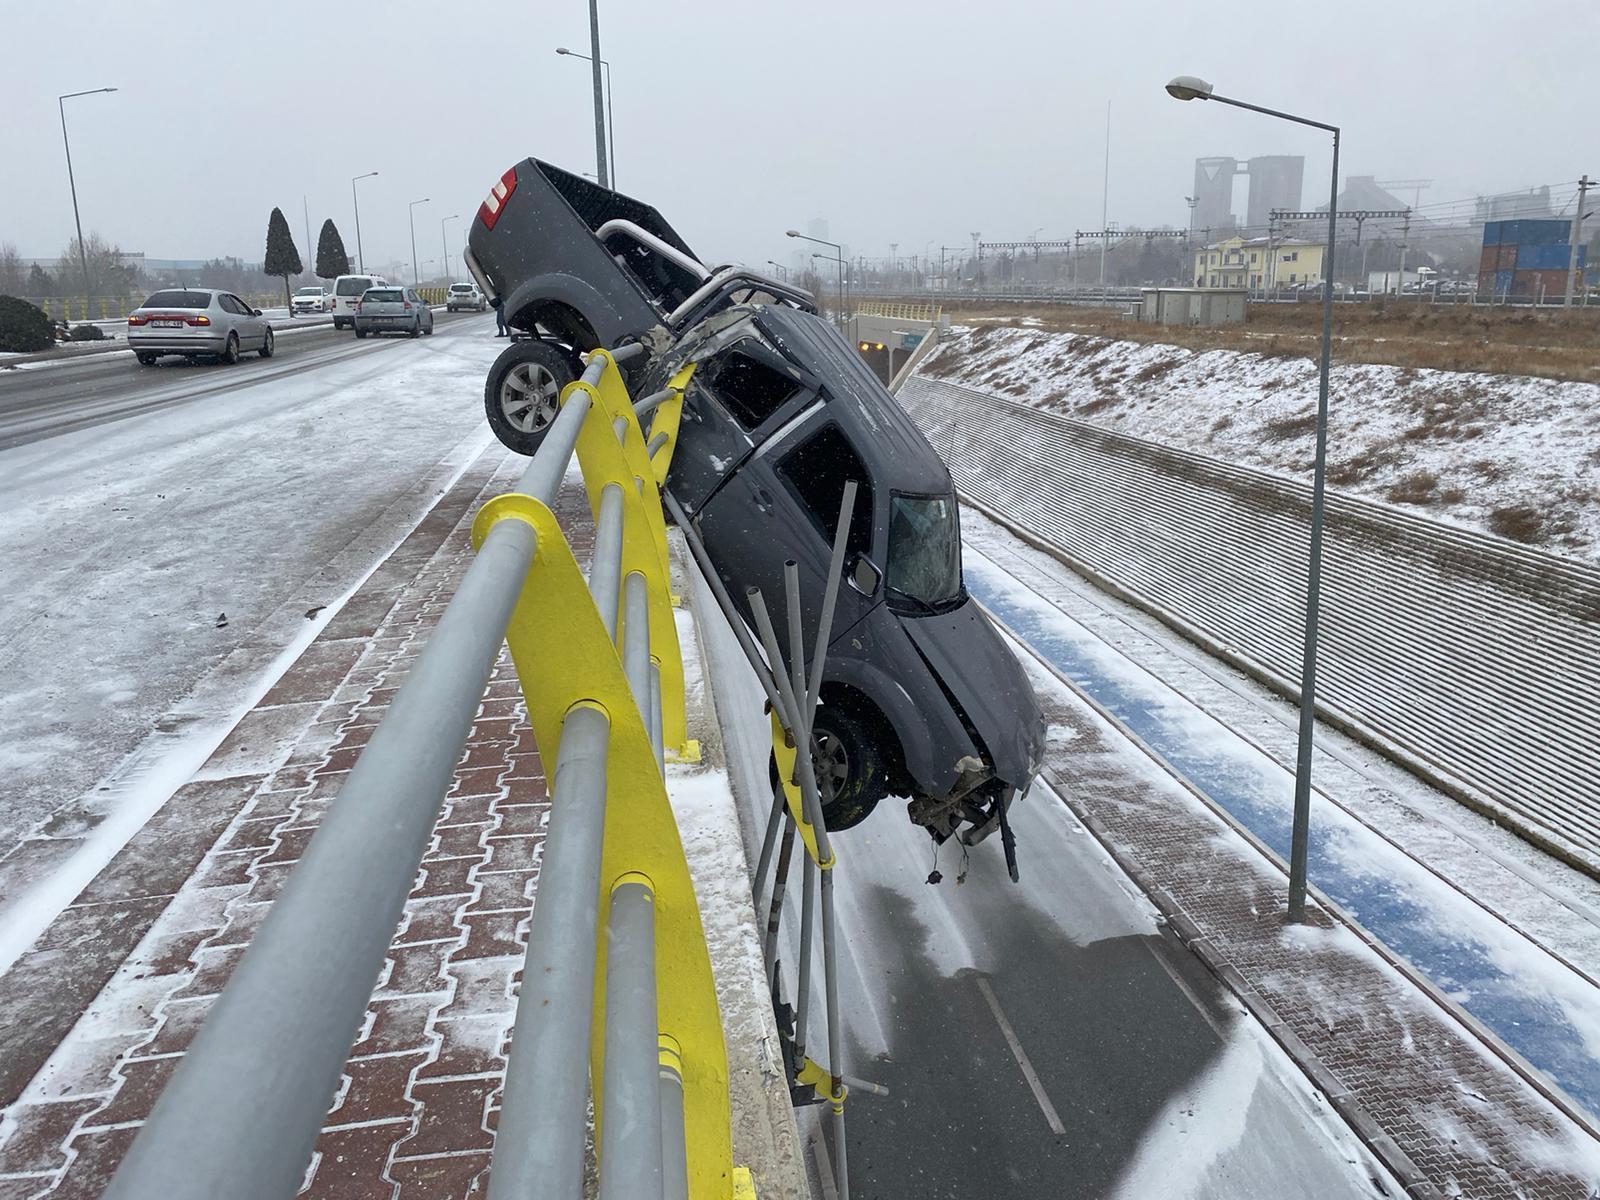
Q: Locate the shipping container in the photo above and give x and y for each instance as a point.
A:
(1548, 258)
(1551, 257)
(1489, 260)
(1502, 282)
(1535, 285)
(1491, 233)
(1533, 233)
(1507, 256)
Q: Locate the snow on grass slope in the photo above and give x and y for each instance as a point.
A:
(1510, 455)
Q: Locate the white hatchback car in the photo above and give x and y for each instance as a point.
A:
(197, 322)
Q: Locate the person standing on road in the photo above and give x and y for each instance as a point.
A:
(499, 318)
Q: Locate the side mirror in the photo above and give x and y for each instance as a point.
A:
(864, 576)
(255, 312)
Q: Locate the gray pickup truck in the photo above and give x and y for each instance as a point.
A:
(921, 698)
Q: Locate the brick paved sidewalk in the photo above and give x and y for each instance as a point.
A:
(94, 1018)
(1432, 1101)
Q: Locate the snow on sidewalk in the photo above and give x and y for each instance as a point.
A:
(96, 1015)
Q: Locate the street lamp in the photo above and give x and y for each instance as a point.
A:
(610, 118)
(361, 259)
(1188, 87)
(838, 259)
(411, 215)
(83, 252)
(783, 271)
(444, 248)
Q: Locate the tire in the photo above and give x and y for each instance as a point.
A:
(416, 327)
(360, 332)
(428, 332)
(852, 776)
(145, 359)
(268, 345)
(230, 350)
(523, 392)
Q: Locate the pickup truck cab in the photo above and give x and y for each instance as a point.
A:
(920, 698)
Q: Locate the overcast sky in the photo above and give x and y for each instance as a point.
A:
(915, 123)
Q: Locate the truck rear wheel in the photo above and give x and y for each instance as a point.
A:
(523, 392)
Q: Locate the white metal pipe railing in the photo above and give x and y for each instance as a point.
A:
(630, 1109)
(544, 1111)
(243, 1109)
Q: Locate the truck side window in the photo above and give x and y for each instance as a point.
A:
(817, 469)
(749, 388)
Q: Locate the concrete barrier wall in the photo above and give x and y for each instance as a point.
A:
(1471, 659)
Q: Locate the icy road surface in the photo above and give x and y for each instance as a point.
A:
(1159, 1088)
(141, 550)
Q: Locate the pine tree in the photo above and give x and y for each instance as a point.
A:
(332, 261)
(282, 258)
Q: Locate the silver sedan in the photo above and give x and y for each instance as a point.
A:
(392, 309)
(197, 322)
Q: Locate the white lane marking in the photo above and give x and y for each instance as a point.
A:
(1028, 1073)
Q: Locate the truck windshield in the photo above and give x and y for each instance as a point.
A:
(924, 549)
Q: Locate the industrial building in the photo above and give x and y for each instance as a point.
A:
(1275, 182)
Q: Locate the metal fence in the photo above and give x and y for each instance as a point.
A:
(1466, 656)
(897, 310)
(624, 1011)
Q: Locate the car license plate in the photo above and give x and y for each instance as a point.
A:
(167, 324)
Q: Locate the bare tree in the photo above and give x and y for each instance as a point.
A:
(13, 275)
(109, 276)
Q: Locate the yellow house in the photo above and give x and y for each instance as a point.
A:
(1238, 262)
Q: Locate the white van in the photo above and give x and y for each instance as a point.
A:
(347, 290)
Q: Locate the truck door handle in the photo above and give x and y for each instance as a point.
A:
(762, 498)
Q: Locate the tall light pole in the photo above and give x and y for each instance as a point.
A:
(610, 116)
(361, 259)
(83, 251)
(783, 271)
(411, 214)
(444, 248)
(1187, 87)
(838, 258)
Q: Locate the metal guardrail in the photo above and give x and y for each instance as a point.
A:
(114, 308)
(897, 310)
(628, 1010)
(1467, 657)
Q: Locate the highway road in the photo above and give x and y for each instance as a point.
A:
(47, 399)
(154, 519)
(1046, 1039)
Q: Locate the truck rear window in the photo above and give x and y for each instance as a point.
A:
(750, 389)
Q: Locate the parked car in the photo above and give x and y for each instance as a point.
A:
(921, 697)
(392, 310)
(347, 291)
(197, 322)
(465, 295)
(308, 300)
